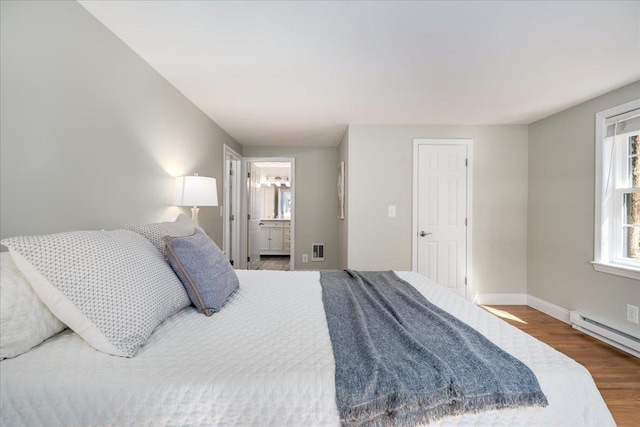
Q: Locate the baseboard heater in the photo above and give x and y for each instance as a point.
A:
(612, 336)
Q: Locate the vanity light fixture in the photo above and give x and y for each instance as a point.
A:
(278, 181)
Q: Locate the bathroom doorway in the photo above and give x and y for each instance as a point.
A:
(270, 226)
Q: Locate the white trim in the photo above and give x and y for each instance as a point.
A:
(546, 307)
(617, 269)
(244, 209)
(573, 318)
(230, 154)
(292, 247)
(501, 299)
(602, 262)
(543, 306)
(468, 143)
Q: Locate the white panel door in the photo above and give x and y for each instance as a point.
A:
(442, 211)
(255, 210)
(231, 207)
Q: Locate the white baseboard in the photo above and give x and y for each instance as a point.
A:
(552, 310)
(627, 343)
(501, 299)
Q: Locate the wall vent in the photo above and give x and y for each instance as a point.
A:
(317, 252)
(606, 333)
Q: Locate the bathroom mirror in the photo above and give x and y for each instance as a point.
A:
(284, 203)
(269, 201)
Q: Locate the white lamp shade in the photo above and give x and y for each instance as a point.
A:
(195, 191)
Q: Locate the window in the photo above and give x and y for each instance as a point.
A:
(617, 216)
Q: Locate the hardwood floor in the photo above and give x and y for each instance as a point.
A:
(616, 373)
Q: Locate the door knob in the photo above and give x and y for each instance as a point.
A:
(423, 234)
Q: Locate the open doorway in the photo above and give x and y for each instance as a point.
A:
(270, 207)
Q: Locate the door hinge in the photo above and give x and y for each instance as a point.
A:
(248, 174)
(465, 280)
(465, 222)
(231, 261)
(248, 259)
(248, 217)
(231, 218)
(231, 172)
(466, 162)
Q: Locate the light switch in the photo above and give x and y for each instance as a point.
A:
(392, 210)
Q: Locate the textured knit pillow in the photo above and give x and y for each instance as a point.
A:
(24, 320)
(203, 269)
(111, 287)
(155, 232)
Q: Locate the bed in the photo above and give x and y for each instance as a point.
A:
(265, 359)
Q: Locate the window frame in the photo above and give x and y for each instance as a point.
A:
(608, 251)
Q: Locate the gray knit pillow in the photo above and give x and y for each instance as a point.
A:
(155, 232)
(111, 287)
(203, 270)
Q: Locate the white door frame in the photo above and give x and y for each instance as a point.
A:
(467, 142)
(245, 207)
(230, 154)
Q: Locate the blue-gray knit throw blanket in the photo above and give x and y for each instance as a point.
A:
(402, 361)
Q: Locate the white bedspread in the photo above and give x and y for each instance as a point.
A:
(265, 359)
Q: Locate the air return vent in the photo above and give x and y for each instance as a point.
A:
(317, 253)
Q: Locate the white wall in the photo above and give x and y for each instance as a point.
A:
(316, 200)
(561, 215)
(91, 135)
(380, 174)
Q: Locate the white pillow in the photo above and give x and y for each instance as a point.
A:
(181, 227)
(111, 287)
(24, 320)
(183, 219)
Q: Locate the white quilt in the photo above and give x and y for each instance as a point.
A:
(265, 359)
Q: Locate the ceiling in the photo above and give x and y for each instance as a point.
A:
(296, 73)
(273, 169)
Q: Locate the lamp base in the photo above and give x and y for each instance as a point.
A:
(194, 214)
